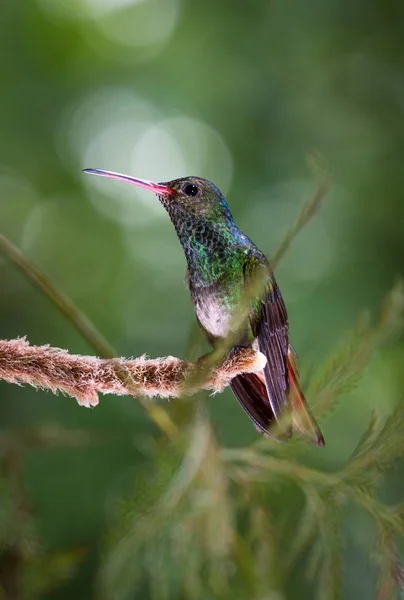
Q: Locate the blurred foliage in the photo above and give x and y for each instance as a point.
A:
(98, 503)
(202, 526)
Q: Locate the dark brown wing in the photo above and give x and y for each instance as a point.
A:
(269, 323)
(250, 391)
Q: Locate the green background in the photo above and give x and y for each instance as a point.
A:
(240, 93)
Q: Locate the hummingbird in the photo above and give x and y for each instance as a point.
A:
(222, 265)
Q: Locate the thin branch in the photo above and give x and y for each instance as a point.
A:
(84, 377)
(308, 211)
(81, 322)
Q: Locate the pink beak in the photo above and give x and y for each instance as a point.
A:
(156, 188)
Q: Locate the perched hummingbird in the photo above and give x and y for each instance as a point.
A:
(222, 263)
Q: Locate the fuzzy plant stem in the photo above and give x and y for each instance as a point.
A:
(84, 377)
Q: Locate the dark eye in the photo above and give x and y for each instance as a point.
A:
(191, 190)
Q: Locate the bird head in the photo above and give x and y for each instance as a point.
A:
(190, 197)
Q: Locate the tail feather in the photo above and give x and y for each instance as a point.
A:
(303, 420)
(250, 390)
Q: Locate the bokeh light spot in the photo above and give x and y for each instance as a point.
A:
(116, 130)
(183, 146)
(272, 211)
(128, 23)
(146, 23)
(46, 239)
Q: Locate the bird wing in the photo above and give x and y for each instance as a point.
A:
(250, 390)
(269, 323)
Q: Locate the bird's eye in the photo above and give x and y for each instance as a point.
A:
(191, 190)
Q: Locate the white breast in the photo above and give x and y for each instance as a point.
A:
(214, 317)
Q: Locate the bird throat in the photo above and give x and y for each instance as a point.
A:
(208, 245)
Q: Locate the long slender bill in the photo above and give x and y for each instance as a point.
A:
(156, 188)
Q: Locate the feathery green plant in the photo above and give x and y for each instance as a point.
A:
(28, 571)
(208, 531)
